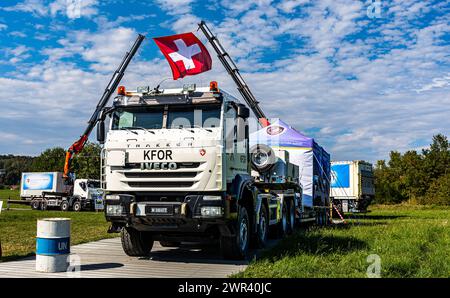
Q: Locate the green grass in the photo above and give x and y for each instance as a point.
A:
(411, 241)
(6, 194)
(18, 229)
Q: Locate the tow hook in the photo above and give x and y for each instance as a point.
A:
(114, 229)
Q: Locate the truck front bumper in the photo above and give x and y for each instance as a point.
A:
(196, 214)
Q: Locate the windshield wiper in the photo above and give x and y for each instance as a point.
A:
(181, 127)
(129, 128)
(198, 126)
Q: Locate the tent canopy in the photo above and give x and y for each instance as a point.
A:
(280, 134)
(311, 158)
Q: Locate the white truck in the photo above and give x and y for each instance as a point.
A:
(44, 190)
(352, 185)
(173, 177)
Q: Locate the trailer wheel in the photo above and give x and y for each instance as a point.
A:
(76, 206)
(237, 247)
(65, 206)
(263, 227)
(35, 205)
(291, 225)
(136, 243)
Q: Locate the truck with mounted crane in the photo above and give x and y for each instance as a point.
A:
(48, 190)
(176, 166)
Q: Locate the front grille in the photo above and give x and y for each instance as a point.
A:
(161, 184)
(181, 165)
(160, 174)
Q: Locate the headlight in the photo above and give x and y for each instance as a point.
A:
(114, 210)
(212, 198)
(211, 211)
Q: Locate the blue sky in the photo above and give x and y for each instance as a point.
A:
(362, 77)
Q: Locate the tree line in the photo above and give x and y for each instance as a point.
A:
(86, 164)
(415, 177)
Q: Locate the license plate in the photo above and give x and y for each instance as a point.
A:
(158, 210)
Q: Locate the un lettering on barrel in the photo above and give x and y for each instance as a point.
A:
(52, 244)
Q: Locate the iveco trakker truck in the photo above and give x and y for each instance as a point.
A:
(176, 166)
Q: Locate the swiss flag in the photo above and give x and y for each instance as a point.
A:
(185, 53)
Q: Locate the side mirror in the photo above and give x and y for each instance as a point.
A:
(243, 111)
(101, 132)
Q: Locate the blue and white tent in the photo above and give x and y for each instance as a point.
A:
(312, 159)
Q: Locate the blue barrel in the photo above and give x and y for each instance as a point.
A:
(52, 244)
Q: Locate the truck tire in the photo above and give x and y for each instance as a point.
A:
(136, 243)
(263, 227)
(169, 243)
(76, 206)
(44, 205)
(64, 206)
(283, 226)
(236, 247)
(291, 217)
(35, 205)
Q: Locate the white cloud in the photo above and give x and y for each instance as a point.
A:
(74, 9)
(3, 27)
(70, 8)
(103, 49)
(289, 6)
(18, 53)
(36, 7)
(17, 34)
(441, 82)
(176, 7)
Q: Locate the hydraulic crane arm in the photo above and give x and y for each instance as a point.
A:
(233, 71)
(112, 86)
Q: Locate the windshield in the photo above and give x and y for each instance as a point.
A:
(193, 117)
(177, 117)
(134, 118)
(93, 184)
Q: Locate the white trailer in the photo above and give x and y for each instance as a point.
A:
(352, 185)
(34, 184)
(44, 190)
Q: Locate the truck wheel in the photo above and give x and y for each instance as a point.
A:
(35, 205)
(135, 243)
(65, 206)
(237, 247)
(291, 223)
(43, 205)
(76, 206)
(283, 226)
(263, 227)
(169, 243)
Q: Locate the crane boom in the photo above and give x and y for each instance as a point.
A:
(112, 86)
(233, 71)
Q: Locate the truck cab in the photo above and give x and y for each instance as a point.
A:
(87, 192)
(176, 167)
